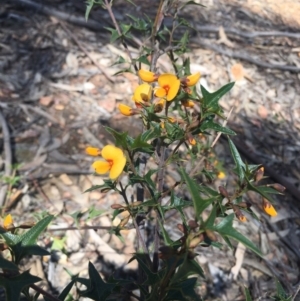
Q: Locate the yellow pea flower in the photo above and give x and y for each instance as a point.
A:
(125, 110)
(114, 163)
(221, 175)
(142, 93)
(8, 221)
(147, 76)
(269, 209)
(93, 151)
(169, 86)
(191, 80)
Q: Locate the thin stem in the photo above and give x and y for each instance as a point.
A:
(44, 293)
(112, 16)
(141, 240)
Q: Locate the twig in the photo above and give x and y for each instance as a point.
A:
(81, 228)
(248, 35)
(112, 16)
(44, 293)
(247, 57)
(76, 20)
(102, 70)
(8, 158)
(296, 293)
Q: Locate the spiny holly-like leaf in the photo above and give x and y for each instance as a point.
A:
(6, 264)
(211, 100)
(239, 164)
(98, 289)
(122, 139)
(225, 228)
(14, 285)
(183, 291)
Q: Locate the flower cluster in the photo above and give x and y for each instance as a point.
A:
(114, 160)
(168, 87)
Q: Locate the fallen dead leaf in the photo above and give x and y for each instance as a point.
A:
(263, 112)
(237, 71)
(46, 100)
(65, 179)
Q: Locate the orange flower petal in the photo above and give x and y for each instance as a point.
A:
(160, 92)
(93, 151)
(147, 76)
(117, 168)
(125, 110)
(111, 153)
(269, 209)
(167, 79)
(101, 167)
(142, 93)
(7, 221)
(187, 103)
(192, 79)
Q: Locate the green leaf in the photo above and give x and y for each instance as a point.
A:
(122, 139)
(139, 143)
(183, 290)
(262, 190)
(247, 294)
(14, 285)
(209, 223)
(114, 34)
(210, 125)
(89, 6)
(143, 59)
(225, 228)
(106, 186)
(94, 212)
(6, 264)
(25, 244)
(187, 268)
(239, 164)
(211, 100)
(29, 238)
(97, 289)
(142, 259)
(65, 292)
(199, 203)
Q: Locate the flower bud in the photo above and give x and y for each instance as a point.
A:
(147, 76)
(93, 151)
(223, 192)
(124, 221)
(181, 228)
(125, 110)
(136, 204)
(165, 252)
(244, 205)
(268, 208)
(277, 187)
(193, 224)
(187, 103)
(259, 174)
(191, 80)
(211, 235)
(195, 241)
(239, 214)
(116, 206)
